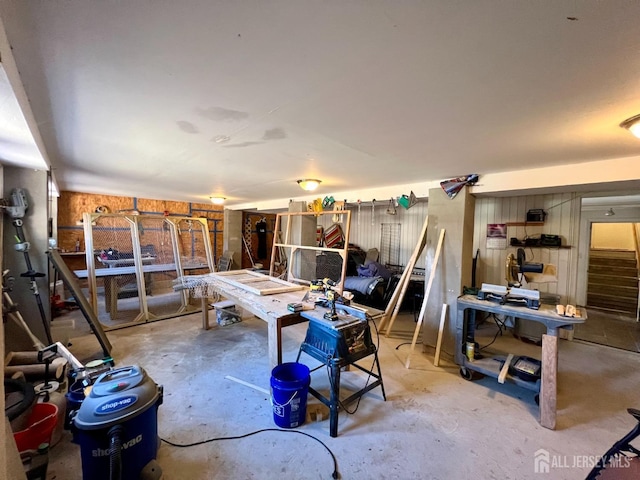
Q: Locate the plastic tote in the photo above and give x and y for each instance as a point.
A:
(289, 389)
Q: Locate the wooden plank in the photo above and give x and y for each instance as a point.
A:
(343, 252)
(394, 298)
(432, 274)
(443, 316)
(548, 389)
(398, 295)
(205, 313)
(256, 283)
(70, 281)
(505, 368)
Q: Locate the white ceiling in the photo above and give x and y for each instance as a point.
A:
(186, 99)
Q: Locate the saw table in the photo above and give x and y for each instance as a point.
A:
(338, 344)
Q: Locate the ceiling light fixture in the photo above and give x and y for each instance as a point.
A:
(610, 213)
(309, 184)
(217, 200)
(633, 125)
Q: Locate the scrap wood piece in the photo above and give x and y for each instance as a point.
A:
(505, 368)
(443, 316)
(426, 297)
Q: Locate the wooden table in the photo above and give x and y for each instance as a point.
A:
(270, 308)
(546, 315)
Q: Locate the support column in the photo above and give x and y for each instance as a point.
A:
(232, 236)
(453, 272)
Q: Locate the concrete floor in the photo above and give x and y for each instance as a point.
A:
(433, 425)
(610, 328)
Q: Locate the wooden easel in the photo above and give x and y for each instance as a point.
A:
(432, 274)
(393, 307)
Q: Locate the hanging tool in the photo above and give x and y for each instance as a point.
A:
(10, 309)
(474, 268)
(373, 211)
(391, 209)
(17, 211)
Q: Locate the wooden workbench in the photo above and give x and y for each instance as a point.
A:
(270, 308)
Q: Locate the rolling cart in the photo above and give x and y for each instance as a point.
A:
(519, 370)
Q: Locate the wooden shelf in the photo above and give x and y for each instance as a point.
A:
(539, 246)
(524, 224)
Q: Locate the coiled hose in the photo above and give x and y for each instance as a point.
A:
(115, 452)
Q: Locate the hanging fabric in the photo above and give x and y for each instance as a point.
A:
(261, 229)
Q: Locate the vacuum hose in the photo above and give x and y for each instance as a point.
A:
(115, 452)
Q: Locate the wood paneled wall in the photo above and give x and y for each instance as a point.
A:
(365, 231)
(71, 206)
(563, 218)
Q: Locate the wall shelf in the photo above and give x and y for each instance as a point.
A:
(524, 224)
(540, 246)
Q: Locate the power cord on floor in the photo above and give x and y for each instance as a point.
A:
(409, 343)
(334, 475)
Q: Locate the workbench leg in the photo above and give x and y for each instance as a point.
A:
(548, 388)
(384, 395)
(205, 313)
(335, 398)
(275, 342)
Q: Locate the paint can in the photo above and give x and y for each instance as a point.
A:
(471, 351)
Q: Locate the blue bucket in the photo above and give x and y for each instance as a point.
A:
(289, 389)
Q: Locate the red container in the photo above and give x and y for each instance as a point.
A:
(41, 422)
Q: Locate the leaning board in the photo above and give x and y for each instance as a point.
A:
(256, 283)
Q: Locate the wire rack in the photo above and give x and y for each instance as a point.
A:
(390, 243)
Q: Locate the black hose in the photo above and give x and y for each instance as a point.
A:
(115, 452)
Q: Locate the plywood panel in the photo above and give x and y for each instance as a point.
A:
(72, 205)
(145, 205)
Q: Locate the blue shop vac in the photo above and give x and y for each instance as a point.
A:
(117, 426)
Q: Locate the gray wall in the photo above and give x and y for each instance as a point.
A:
(36, 232)
(453, 271)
